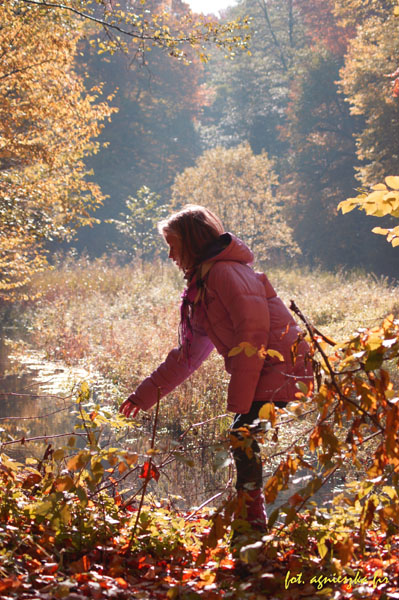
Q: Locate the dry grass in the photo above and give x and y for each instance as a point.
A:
(122, 320)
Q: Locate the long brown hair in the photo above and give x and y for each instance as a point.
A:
(197, 227)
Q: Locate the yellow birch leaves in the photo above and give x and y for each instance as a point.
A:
(382, 200)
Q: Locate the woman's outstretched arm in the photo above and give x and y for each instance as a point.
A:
(177, 367)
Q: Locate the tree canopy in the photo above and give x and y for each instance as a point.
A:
(49, 121)
(52, 111)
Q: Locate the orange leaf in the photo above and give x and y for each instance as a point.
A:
(9, 582)
(121, 582)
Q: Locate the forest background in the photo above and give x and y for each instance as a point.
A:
(310, 93)
(274, 115)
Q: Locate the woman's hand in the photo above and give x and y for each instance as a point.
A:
(129, 407)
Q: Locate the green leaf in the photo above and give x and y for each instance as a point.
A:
(81, 494)
(322, 548)
(273, 517)
(302, 386)
(374, 360)
(59, 454)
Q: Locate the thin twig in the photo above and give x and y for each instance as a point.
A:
(342, 396)
(37, 416)
(227, 487)
(23, 440)
(140, 35)
(29, 395)
(148, 474)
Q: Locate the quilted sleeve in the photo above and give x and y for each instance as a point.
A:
(177, 367)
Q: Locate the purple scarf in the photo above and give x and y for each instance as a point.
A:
(188, 300)
(192, 298)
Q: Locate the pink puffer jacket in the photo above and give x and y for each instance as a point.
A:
(239, 305)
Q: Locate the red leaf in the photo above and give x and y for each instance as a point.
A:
(149, 471)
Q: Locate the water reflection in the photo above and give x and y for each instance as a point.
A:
(36, 399)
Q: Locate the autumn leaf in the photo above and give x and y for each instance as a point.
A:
(149, 471)
(268, 413)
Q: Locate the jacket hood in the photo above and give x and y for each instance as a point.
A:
(230, 247)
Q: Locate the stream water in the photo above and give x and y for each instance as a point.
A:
(38, 399)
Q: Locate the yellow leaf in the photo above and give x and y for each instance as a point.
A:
(131, 459)
(380, 230)
(275, 354)
(84, 388)
(393, 181)
(374, 342)
(268, 413)
(78, 461)
(348, 205)
(64, 483)
(250, 350)
(234, 351)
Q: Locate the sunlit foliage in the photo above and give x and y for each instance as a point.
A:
(148, 24)
(373, 54)
(48, 124)
(139, 224)
(78, 518)
(383, 200)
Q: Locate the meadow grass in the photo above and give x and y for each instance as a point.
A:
(122, 320)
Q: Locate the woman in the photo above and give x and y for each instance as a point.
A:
(226, 303)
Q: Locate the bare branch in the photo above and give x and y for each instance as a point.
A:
(23, 440)
(85, 16)
(37, 416)
(22, 70)
(262, 5)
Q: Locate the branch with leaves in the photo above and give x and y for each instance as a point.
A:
(153, 27)
(381, 201)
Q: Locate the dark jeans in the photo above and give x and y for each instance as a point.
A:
(246, 449)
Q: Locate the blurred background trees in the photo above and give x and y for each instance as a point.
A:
(242, 188)
(302, 119)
